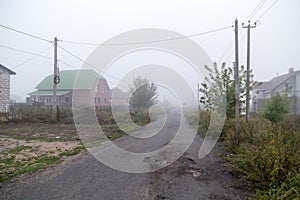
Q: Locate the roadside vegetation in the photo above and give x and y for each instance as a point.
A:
(266, 153)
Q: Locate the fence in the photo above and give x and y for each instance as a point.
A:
(38, 112)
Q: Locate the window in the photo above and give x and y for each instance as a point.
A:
(104, 100)
(99, 100)
(103, 90)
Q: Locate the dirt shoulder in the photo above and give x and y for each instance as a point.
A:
(29, 147)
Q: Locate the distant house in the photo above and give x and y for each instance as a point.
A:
(119, 98)
(84, 82)
(264, 90)
(5, 87)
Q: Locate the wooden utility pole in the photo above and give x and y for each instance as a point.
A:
(237, 85)
(248, 69)
(55, 82)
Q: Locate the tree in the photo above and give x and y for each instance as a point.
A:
(277, 107)
(224, 80)
(144, 94)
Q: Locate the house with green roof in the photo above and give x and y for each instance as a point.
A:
(85, 82)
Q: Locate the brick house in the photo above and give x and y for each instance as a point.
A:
(264, 90)
(5, 87)
(86, 83)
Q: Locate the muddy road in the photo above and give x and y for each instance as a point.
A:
(84, 177)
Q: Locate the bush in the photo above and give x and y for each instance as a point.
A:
(277, 107)
(269, 157)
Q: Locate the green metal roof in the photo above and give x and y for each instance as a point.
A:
(48, 93)
(70, 79)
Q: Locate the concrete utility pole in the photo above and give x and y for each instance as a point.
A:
(55, 82)
(248, 69)
(237, 85)
(198, 96)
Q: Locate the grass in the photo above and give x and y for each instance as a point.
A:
(12, 166)
(72, 152)
(116, 136)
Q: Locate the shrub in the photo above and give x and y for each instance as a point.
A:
(269, 157)
(277, 107)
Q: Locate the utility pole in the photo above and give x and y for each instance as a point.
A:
(248, 69)
(237, 85)
(55, 82)
(198, 96)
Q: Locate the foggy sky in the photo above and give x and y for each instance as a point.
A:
(274, 44)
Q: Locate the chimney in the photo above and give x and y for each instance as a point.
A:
(291, 70)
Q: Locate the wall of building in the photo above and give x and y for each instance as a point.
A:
(102, 93)
(4, 90)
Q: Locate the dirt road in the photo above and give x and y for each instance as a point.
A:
(84, 177)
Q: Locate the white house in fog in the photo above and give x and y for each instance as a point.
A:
(264, 90)
(5, 87)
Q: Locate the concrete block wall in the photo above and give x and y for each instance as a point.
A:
(4, 90)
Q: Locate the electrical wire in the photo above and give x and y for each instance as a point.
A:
(256, 9)
(72, 66)
(266, 11)
(26, 52)
(148, 42)
(249, 17)
(28, 34)
(31, 58)
(67, 64)
(83, 61)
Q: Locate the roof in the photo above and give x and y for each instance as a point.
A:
(48, 93)
(8, 70)
(118, 93)
(275, 82)
(70, 79)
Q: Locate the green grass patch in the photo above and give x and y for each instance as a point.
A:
(17, 149)
(73, 151)
(10, 167)
(116, 136)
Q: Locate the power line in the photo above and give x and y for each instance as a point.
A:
(22, 51)
(148, 42)
(229, 48)
(256, 9)
(28, 34)
(250, 16)
(36, 55)
(72, 66)
(65, 63)
(268, 9)
(83, 61)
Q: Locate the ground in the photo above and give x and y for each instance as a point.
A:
(84, 177)
(28, 147)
